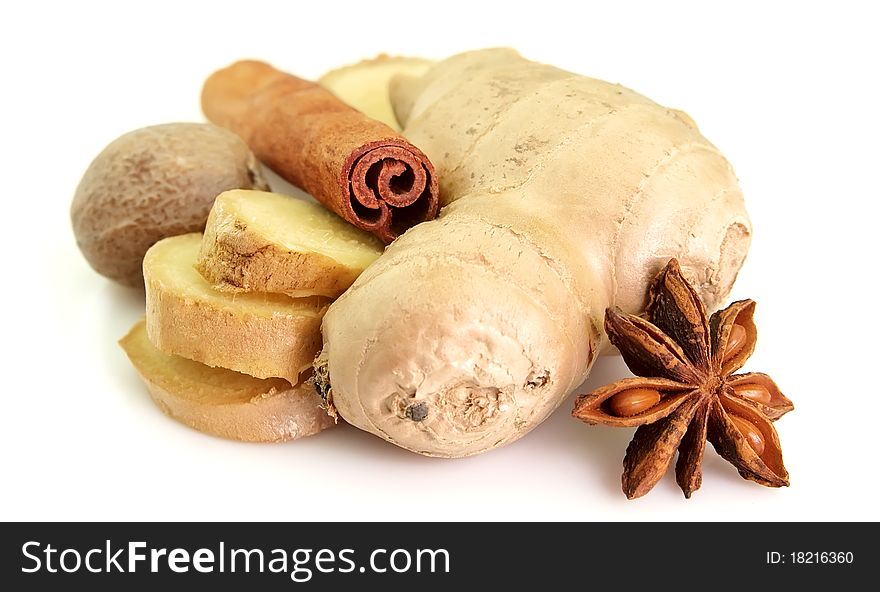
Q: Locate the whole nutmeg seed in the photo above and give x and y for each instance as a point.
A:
(153, 183)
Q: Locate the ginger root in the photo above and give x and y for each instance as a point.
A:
(264, 335)
(364, 85)
(256, 241)
(222, 402)
(564, 195)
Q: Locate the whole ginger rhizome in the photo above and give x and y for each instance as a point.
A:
(563, 195)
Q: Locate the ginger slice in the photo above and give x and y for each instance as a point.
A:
(264, 335)
(223, 402)
(364, 85)
(256, 241)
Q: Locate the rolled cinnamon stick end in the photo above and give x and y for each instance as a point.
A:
(358, 167)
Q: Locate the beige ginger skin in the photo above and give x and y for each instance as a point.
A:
(564, 195)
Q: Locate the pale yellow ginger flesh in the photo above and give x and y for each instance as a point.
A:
(564, 195)
(256, 241)
(364, 85)
(223, 402)
(264, 335)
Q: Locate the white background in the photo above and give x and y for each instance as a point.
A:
(787, 90)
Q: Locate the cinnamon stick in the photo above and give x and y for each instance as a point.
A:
(358, 167)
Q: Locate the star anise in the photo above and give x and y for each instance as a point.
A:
(686, 391)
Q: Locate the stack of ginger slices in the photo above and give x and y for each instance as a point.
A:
(233, 317)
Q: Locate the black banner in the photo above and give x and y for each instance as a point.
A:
(435, 556)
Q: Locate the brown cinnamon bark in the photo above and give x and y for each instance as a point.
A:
(358, 167)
